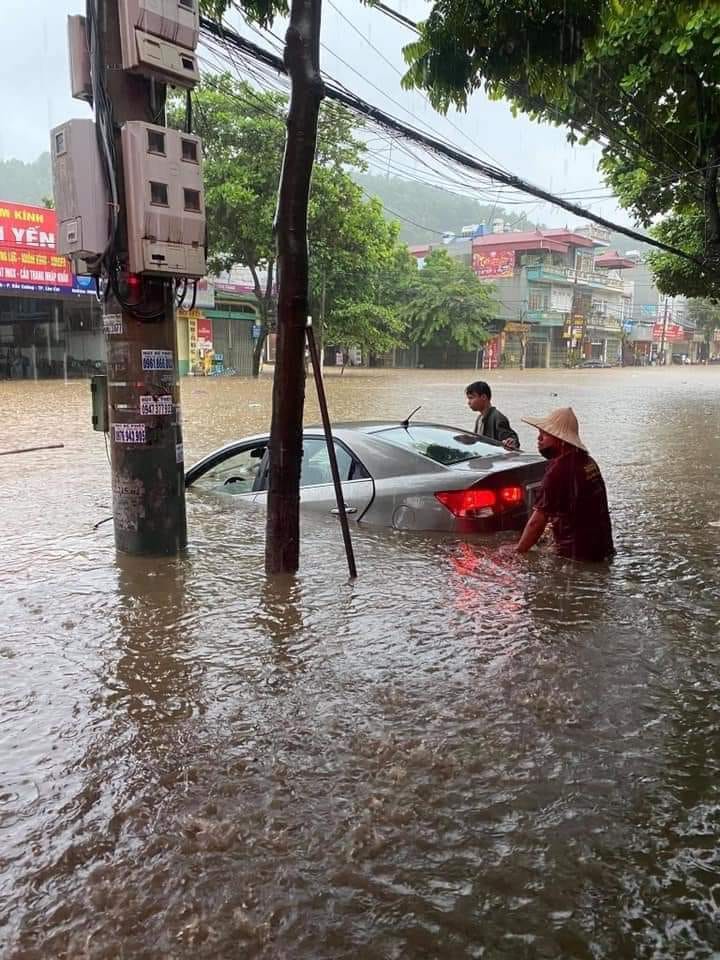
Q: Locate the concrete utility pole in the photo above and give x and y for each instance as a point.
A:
(146, 446)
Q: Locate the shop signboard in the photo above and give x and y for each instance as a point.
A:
(204, 334)
(674, 332)
(493, 263)
(28, 256)
(29, 261)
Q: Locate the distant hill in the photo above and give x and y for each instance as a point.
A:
(424, 212)
(423, 207)
(26, 182)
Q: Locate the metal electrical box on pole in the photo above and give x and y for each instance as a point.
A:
(143, 241)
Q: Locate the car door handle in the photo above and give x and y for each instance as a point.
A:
(335, 512)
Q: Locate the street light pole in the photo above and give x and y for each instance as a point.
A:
(664, 332)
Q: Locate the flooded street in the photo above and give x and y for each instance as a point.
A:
(462, 754)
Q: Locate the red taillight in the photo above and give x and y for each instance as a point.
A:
(468, 503)
(512, 496)
(477, 502)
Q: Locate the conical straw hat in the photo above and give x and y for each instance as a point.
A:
(561, 423)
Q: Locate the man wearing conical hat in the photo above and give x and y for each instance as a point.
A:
(572, 497)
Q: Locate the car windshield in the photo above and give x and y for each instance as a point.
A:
(442, 444)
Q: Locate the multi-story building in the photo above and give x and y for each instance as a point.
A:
(560, 300)
(661, 327)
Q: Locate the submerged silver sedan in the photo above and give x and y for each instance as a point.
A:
(416, 476)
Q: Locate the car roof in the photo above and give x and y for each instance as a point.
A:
(377, 426)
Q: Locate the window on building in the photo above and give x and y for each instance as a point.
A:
(158, 194)
(156, 142)
(537, 300)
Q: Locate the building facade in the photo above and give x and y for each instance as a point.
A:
(50, 320)
(558, 302)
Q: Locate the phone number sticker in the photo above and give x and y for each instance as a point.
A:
(113, 324)
(129, 432)
(156, 406)
(157, 360)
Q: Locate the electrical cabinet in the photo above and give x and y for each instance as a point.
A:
(99, 398)
(81, 197)
(164, 198)
(159, 37)
(79, 57)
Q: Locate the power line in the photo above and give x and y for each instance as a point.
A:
(614, 127)
(395, 15)
(360, 106)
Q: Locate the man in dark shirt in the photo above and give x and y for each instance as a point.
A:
(490, 422)
(572, 496)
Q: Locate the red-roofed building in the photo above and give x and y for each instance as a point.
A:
(560, 298)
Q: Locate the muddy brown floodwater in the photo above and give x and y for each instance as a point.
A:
(460, 755)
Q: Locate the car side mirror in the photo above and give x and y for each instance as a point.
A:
(258, 453)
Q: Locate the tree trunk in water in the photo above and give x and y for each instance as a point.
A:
(302, 60)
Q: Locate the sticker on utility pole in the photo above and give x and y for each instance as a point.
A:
(157, 360)
(113, 324)
(156, 406)
(179, 453)
(129, 432)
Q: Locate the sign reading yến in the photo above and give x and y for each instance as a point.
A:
(28, 255)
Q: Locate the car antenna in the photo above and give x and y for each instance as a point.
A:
(406, 422)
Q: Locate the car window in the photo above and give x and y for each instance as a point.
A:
(316, 463)
(442, 444)
(236, 474)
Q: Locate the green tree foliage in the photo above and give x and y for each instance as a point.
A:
(640, 77)
(261, 11)
(26, 182)
(706, 315)
(243, 133)
(372, 318)
(685, 229)
(447, 302)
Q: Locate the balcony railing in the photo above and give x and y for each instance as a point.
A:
(591, 278)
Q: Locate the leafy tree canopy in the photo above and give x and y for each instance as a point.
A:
(261, 11)
(243, 133)
(447, 302)
(640, 77)
(706, 314)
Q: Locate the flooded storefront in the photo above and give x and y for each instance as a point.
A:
(50, 320)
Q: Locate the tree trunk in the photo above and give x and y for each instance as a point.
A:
(258, 351)
(264, 299)
(302, 60)
(712, 209)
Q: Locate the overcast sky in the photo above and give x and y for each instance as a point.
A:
(34, 95)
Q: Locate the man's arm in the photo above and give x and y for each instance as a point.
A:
(534, 529)
(505, 433)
